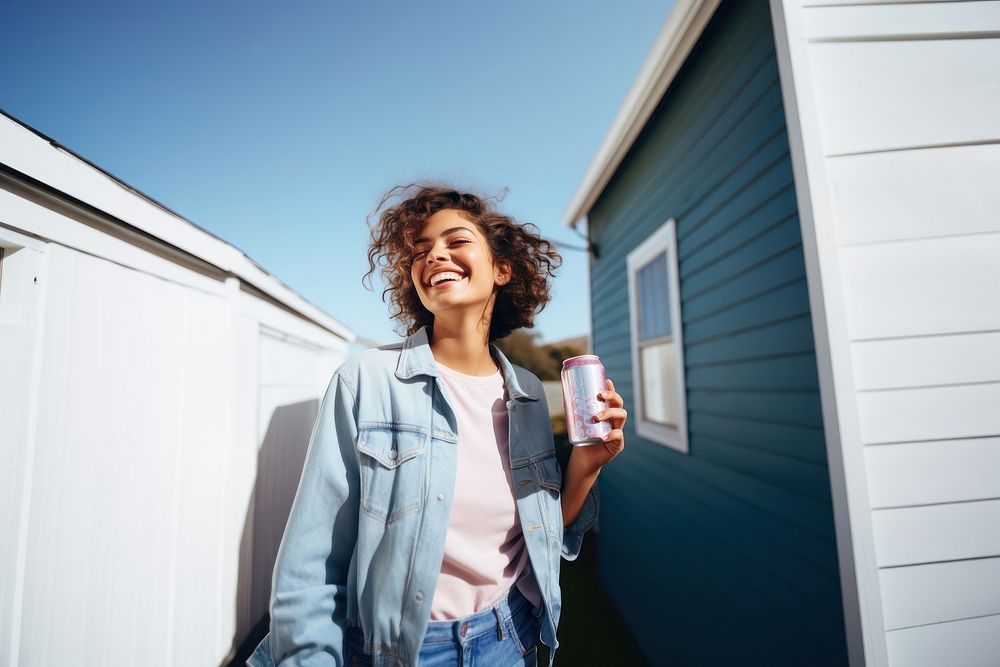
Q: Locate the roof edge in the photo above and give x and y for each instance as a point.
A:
(29, 152)
(680, 31)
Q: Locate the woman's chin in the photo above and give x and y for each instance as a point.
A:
(452, 304)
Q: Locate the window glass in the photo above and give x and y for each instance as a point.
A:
(654, 299)
(659, 383)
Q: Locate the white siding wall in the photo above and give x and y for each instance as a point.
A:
(292, 380)
(898, 127)
(20, 311)
(130, 521)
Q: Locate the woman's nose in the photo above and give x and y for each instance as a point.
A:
(436, 253)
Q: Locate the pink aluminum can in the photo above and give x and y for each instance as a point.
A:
(582, 380)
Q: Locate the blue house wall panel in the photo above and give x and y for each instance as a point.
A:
(725, 555)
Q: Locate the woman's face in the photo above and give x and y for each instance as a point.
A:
(453, 266)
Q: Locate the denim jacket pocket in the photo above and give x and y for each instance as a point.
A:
(392, 471)
(547, 473)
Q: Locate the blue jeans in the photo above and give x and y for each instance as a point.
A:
(504, 635)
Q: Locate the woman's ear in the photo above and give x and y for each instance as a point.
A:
(503, 272)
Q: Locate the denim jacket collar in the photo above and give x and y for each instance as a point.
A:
(416, 359)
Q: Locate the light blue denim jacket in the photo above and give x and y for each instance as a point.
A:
(365, 537)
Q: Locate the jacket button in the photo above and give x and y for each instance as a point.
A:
(440, 496)
(392, 453)
(419, 596)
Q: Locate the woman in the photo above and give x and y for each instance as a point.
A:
(431, 514)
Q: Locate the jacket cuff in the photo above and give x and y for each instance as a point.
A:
(587, 519)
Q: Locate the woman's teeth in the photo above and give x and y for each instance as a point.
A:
(445, 277)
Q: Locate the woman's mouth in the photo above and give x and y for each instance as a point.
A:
(445, 278)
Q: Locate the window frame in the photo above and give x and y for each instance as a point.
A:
(664, 239)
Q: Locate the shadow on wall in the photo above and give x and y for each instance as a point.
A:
(279, 465)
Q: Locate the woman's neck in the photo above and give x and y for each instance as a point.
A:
(464, 349)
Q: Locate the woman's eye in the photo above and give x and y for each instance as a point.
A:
(417, 254)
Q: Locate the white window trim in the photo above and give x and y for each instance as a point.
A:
(663, 239)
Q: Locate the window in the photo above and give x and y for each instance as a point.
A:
(657, 344)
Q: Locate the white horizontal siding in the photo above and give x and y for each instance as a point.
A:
(932, 413)
(877, 96)
(925, 287)
(933, 472)
(812, 4)
(968, 643)
(916, 194)
(926, 361)
(935, 533)
(940, 592)
(880, 21)
(899, 160)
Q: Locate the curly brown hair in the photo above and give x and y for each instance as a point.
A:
(532, 259)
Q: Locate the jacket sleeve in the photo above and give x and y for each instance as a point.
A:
(587, 519)
(309, 587)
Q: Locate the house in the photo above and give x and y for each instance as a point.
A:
(800, 201)
(157, 392)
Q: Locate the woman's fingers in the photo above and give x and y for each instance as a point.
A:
(614, 442)
(611, 397)
(616, 416)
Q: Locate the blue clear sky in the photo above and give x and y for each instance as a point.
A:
(277, 126)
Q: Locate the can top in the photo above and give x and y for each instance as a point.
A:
(582, 360)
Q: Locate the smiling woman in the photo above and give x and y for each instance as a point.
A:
(432, 515)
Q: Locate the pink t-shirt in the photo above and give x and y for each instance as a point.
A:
(484, 552)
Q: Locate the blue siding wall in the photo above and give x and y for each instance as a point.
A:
(726, 555)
